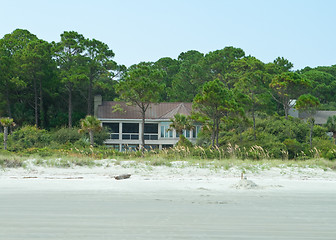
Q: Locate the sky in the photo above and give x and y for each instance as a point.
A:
(302, 31)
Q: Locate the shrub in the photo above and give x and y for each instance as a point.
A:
(293, 147)
(28, 137)
(100, 137)
(326, 147)
(184, 142)
(66, 135)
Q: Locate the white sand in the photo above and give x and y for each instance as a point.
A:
(166, 203)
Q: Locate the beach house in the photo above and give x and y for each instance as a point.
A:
(124, 123)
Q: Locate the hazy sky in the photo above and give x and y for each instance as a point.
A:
(303, 31)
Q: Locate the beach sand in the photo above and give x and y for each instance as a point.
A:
(166, 203)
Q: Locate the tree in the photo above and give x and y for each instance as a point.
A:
(91, 125)
(217, 64)
(6, 123)
(170, 68)
(99, 63)
(282, 64)
(10, 82)
(331, 125)
(37, 67)
(323, 85)
(187, 77)
(140, 87)
(214, 102)
(287, 86)
(180, 122)
(71, 62)
(309, 104)
(250, 81)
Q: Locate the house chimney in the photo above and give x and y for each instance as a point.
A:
(98, 100)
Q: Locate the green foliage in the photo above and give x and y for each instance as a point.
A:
(28, 137)
(320, 132)
(325, 147)
(214, 102)
(331, 125)
(65, 135)
(101, 136)
(287, 86)
(91, 125)
(180, 122)
(307, 103)
(293, 147)
(141, 86)
(184, 142)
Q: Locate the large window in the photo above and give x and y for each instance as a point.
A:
(130, 131)
(151, 131)
(113, 129)
(165, 133)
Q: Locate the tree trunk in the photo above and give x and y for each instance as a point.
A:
(70, 108)
(286, 110)
(42, 122)
(5, 137)
(217, 132)
(311, 133)
(35, 103)
(142, 147)
(89, 106)
(253, 117)
(213, 137)
(91, 137)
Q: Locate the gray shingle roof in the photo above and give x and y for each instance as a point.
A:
(165, 110)
(320, 117)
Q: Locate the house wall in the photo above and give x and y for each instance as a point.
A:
(161, 139)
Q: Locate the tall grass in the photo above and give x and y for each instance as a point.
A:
(254, 157)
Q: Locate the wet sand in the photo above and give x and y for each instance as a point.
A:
(49, 205)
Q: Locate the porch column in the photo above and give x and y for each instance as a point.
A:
(120, 131)
(140, 131)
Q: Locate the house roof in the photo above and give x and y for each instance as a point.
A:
(165, 110)
(320, 117)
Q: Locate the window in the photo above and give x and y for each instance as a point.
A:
(151, 131)
(130, 131)
(165, 133)
(196, 130)
(113, 129)
(130, 127)
(151, 128)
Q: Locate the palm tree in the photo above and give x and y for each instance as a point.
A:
(180, 122)
(6, 123)
(90, 124)
(331, 125)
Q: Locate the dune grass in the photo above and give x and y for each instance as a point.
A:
(177, 157)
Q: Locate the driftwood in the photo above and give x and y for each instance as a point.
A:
(122, 176)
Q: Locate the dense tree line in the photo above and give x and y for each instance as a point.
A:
(53, 84)
(50, 85)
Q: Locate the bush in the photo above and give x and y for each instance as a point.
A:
(325, 147)
(293, 148)
(321, 132)
(28, 137)
(184, 142)
(100, 137)
(66, 135)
